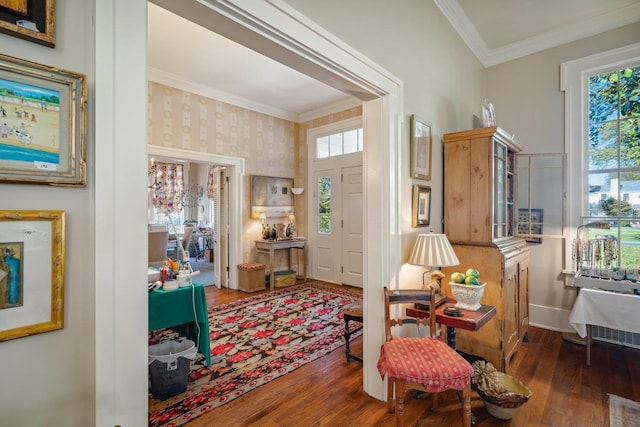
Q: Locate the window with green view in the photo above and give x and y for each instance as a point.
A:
(614, 159)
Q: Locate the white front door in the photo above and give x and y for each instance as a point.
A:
(325, 227)
(336, 228)
(352, 229)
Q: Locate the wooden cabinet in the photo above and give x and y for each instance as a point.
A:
(479, 200)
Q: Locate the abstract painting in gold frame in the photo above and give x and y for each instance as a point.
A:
(32, 260)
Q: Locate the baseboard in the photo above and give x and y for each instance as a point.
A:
(554, 319)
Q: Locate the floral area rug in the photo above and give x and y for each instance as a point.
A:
(253, 341)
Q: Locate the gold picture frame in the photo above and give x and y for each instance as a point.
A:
(42, 124)
(420, 148)
(33, 20)
(421, 215)
(32, 261)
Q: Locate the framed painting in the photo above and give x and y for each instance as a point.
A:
(32, 20)
(421, 206)
(420, 148)
(42, 124)
(530, 224)
(271, 196)
(32, 258)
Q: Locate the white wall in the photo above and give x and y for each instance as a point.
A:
(528, 102)
(48, 379)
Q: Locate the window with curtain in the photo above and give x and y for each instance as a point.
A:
(167, 193)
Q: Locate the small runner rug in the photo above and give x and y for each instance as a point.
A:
(253, 341)
(623, 412)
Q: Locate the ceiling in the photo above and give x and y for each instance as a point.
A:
(190, 57)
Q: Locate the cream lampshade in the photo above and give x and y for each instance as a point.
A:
(433, 250)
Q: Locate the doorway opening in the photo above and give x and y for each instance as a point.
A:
(225, 203)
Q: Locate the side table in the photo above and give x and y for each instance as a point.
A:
(269, 247)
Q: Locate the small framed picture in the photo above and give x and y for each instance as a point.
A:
(33, 20)
(421, 206)
(42, 124)
(420, 148)
(32, 250)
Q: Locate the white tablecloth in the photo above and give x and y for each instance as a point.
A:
(607, 309)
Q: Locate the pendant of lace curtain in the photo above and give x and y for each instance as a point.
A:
(168, 191)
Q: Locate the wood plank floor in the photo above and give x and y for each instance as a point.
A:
(328, 391)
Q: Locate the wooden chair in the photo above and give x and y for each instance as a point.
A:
(425, 364)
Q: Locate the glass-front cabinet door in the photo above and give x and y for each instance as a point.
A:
(500, 215)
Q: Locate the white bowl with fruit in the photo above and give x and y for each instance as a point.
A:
(467, 289)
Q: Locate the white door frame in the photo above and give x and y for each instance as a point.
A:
(279, 31)
(236, 172)
(316, 167)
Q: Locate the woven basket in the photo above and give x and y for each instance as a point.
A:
(518, 392)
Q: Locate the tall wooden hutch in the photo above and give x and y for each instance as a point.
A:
(479, 215)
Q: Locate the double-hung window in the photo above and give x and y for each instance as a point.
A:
(603, 146)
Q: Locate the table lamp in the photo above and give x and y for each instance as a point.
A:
(433, 250)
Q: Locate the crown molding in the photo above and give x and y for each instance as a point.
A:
(610, 20)
(178, 82)
(332, 108)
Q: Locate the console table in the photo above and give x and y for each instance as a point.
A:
(175, 308)
(269, 247)
(603, 308)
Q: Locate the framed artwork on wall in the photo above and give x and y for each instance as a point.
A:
(32, 20)
(32, 260)
(530, 222)
(271, 196)
(421, 206)
(42, 124)
(420, 133)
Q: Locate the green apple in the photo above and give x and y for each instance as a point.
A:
(471, 280)
(457, 277)
(473, 272)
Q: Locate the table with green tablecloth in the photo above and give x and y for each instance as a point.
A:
(175, 309)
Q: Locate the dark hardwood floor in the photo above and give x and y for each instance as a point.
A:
(328, 391)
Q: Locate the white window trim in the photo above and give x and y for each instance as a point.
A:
(574, 82)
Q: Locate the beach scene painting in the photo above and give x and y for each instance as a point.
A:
(42, 124)
(29, 126)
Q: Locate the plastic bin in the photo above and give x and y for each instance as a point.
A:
(169, 366)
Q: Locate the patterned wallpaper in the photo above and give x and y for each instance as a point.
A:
(269, 145)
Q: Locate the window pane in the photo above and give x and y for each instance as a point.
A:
(603, 147)
(360, 140)
(322, 147)
(630, 142)
(603, 97)
(324, 205)
(335, 144)
(351, 141)
(630, 92)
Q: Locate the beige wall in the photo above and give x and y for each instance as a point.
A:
(528, 102)
(50, 376)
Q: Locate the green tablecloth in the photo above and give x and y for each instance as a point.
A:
(168, 309)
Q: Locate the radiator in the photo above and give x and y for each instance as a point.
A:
(628, 339)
